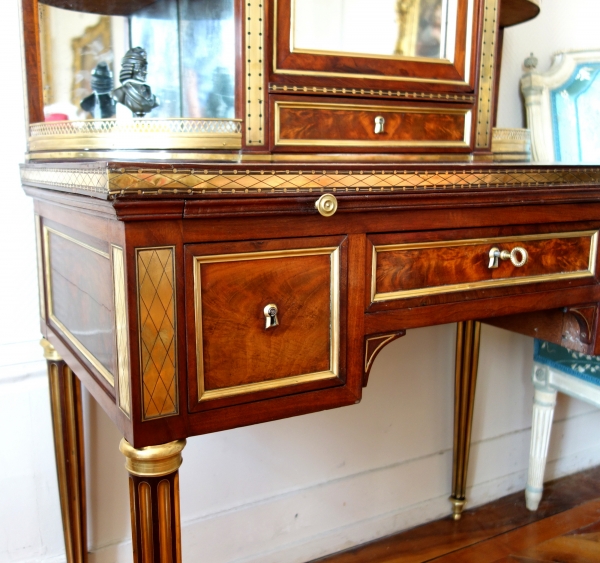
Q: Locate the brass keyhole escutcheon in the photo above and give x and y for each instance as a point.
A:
(379, 125)
(270, 312)
(326, 205)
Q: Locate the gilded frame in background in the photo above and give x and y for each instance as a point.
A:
(87, 53)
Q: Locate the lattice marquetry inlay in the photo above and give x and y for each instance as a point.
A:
(76, 179)
(135, 126)
(241, 182)
(158, 339)
(140, 181)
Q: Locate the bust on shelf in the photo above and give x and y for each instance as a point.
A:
(135, 93)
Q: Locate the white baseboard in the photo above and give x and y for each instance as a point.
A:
(343, 513)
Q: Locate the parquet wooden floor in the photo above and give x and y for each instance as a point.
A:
(565, 529)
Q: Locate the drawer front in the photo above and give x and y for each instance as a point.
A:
(237, 356)
(400, 271)
(346, 125)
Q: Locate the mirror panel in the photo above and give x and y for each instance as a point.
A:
(576, 114)
(181, 77)
(386, 28)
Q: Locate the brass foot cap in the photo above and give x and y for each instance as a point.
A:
(457, 507)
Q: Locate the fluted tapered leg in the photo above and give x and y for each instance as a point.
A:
(544, 402)
(467, 360)
(67, 425)
(154, 501)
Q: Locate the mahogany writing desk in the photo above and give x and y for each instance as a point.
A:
(243, 253)
(159, 300)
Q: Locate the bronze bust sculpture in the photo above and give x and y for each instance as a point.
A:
(100, 103)
(134, 93)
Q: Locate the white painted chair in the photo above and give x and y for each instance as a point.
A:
(562, 107)
(555, 369)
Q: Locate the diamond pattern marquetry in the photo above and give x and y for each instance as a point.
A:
(82, 179)
(156, 307)
(240, 182)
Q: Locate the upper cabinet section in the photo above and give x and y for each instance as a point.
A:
(233, 80)
(420, 45)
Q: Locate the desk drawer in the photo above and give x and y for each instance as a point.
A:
(238, 289)
(413, 269)
(404, 126)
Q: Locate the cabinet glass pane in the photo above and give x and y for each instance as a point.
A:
(188, 47)
(396, 28)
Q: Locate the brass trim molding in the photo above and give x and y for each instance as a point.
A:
(255, 106)
(334, 350)
(279, 141)
(374, 92)
(385, 339)
(470, 286)
(147, 133)
(152, 461)
(486, 75)
(94, 179)
(121, 331)
(136, 155)
(104, 372)
(40, 266)
(50, 352)
(189, 180)
(157, 329)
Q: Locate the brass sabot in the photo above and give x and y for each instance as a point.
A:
(152, 461)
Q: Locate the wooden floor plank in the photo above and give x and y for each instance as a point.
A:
(436, 539)
(573, 549)
(520, 539)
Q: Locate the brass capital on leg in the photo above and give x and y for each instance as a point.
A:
(154, 500)
(467, 359)
(67, 426)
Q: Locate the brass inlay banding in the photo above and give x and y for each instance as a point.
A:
(165, 531)
(146, 524)
(157, 331)
(384, 340)
(483, 126)
(59, 447)
(279, 141)
(40, 266)
(373, 92)
(47, 231)
(469, 286)
(121, 331)
(334, 352)
(255, 105)
(134, 516)
(177, 511)
(245, 182)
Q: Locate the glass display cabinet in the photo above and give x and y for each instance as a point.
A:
(239, 204)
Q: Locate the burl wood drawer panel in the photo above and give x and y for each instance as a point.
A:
(400, 271)
(237, 356)
(80, 294)
(346, 125)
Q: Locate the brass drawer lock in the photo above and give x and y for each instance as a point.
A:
(518, 256)
(271, 316)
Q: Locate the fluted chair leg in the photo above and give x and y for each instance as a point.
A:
(543, 411)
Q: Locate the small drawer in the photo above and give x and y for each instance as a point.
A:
(401, 271)
(266, 320)
(402, 126)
